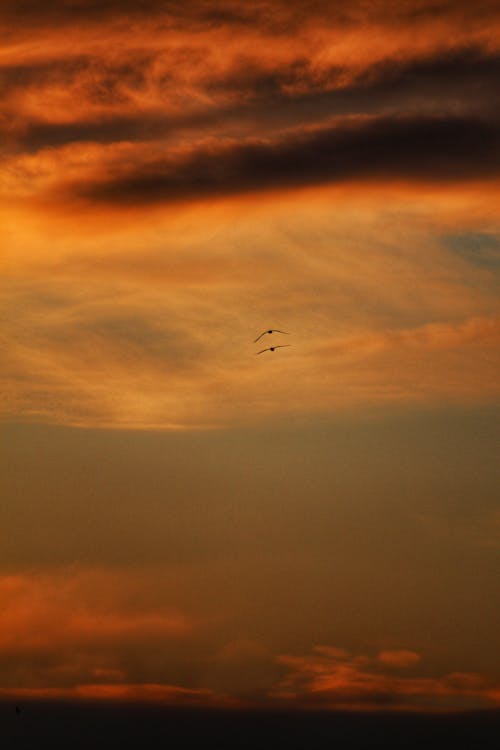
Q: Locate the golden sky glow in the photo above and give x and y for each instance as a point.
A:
(176, 178)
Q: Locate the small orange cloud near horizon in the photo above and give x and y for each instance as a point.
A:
(337, 680)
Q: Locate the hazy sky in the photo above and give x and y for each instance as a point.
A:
(181, 520)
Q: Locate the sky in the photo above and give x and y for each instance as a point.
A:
(186, 522)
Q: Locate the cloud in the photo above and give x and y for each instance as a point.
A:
(422, 149)
(335, 679)
(124, 100)
(168, 62)
(431, 362)
(140, 364)
(96, 634)
(176, 177)
(430, 337)
(170, 695)
(70, 610)
(289, 15)
(99, 634)
(168, 171)
(163, 101)
(150, 323)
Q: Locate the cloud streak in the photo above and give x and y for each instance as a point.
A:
(164, 102)
(423, 149)
(122, 100)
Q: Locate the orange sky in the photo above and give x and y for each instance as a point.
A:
(176, 178)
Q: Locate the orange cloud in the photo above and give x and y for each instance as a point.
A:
(162, 205)
(432, 336)
(82, 634)
(335, 679)
(171, 695)
(79, 625)
(43, 610)
(92, 635)
(139, 86)
(150, 325)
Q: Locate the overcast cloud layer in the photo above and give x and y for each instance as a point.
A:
(183, 521)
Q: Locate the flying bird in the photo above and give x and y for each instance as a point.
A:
(272, 348)
(273, 330)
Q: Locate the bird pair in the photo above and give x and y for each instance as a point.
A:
(271, 348)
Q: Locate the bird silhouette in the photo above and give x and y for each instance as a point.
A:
(272, 330)
(272, 348)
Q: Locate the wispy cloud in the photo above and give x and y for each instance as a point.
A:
(152, 325)
(207, 96)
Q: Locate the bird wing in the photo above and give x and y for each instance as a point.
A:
(259, 337)
(280, 346)
(277, 331)
(264, 350)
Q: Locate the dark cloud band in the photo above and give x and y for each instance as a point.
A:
(287, 14)
(432, 149)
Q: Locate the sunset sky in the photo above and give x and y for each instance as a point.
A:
(182, 521)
